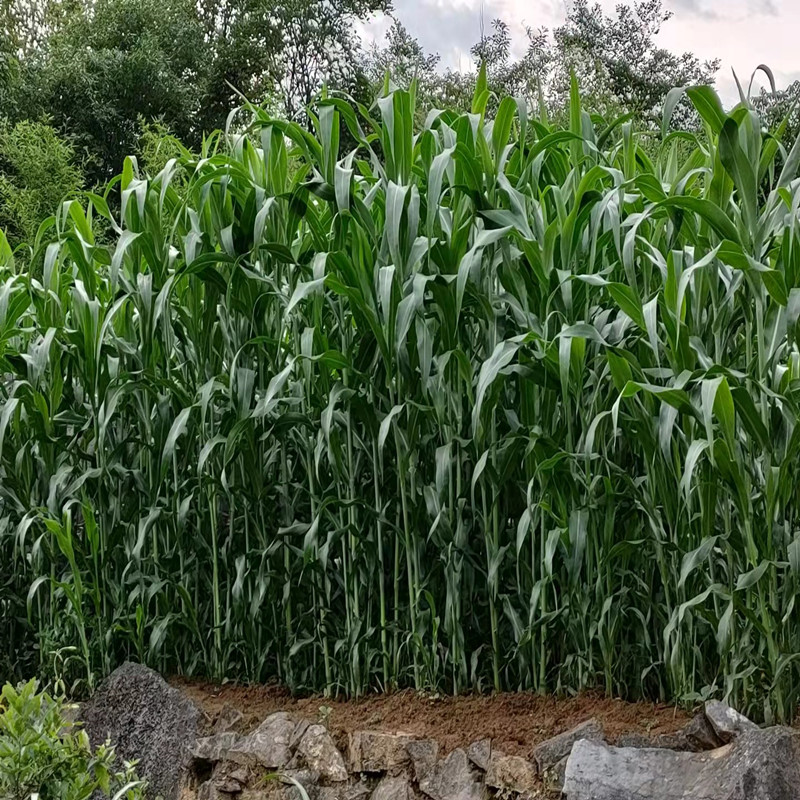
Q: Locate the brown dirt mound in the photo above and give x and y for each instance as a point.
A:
(516, 722)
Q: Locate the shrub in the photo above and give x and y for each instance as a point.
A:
(37, 170)
(44, 753)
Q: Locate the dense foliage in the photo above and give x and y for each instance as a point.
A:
(487, 403)
(44, 754)
(37, 171)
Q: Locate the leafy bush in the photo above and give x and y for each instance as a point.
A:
(37, 170)
(42, 752)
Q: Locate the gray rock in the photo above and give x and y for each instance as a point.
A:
(392, 789)
(700, 734)
(216, 747)
(553, 778)
(376, 751)
(726, 721)
(673, 741)
(479, 753)
(358, 791)
(299, 732)
(695, 737)
(424, 754)
(452, 779)
(321, 755)
(306, 777)
(210, 791)
(228, 785)
(512, 773)
(239, 774)
(228, 719)
(147, 720)
(638, 740)
(550, 752)
(758, 765)
(274, 789)
(335, 792)
(268, 745)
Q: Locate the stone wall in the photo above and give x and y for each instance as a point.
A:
(719, 755)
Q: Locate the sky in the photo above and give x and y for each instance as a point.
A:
(742, 33)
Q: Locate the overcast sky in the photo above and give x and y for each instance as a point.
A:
(742, 33)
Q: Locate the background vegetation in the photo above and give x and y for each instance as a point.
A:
(97, 73)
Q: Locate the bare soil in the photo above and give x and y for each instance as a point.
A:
(515, 722)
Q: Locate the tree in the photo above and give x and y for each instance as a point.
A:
(617, 61)
(319, 45)
(777, 106)
(403, 57)
(116, 62)
(242, 38)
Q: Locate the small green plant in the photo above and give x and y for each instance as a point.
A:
(44, 753)
(324, 715)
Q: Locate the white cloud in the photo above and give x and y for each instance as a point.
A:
(742, 33)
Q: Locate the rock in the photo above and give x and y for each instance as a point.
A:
(209, 791)
(228, 785)
(148, 721)
(550, 752)
(306, 777)
(299, 732)
(695, 737)
(452, 779)
(321, 755)
(553, 778)
(700, 735)
(758, 765)
(273, 789)
(512, 773)
(358, 791)
(240, 775)
(268, 745)
(228, 719)
(216, 747)
(423, 754)
(634, 740)
(335, 792)
(375, 751)
(479, 752)
(726, 722)
(392, 789)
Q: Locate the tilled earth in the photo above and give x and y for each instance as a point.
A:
(515, 722)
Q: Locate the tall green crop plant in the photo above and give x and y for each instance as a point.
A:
(485, 404)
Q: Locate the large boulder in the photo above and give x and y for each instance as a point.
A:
(758, 765)
(148, 721)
